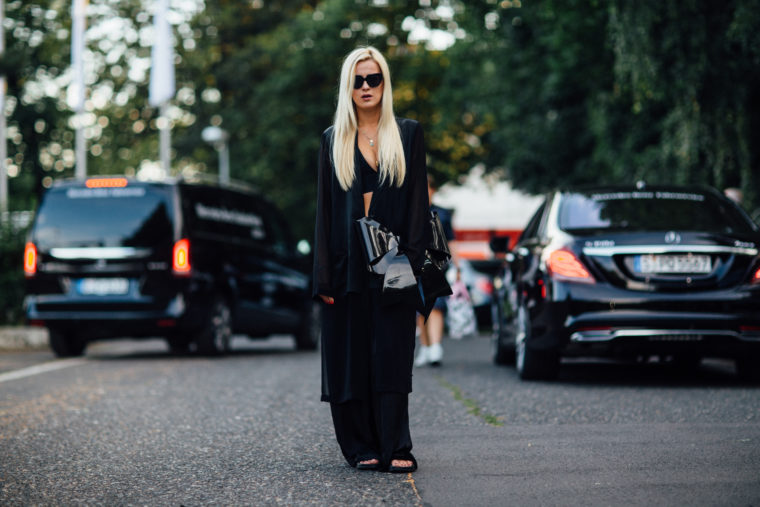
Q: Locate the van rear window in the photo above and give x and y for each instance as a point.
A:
(100, 193)
(139, 216)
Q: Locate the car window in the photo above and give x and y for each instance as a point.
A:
(277, 230)
(224, 215)
(531, 230)
(136, 215)
(650, 210)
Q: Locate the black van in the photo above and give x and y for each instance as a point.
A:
(112, 257)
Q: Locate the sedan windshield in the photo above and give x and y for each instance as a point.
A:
(650, 211)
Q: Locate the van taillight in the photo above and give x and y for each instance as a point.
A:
(181, 257)
(563, 264)
(30, 259)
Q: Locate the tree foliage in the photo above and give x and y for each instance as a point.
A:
(275, 74)
(692, 67)
(11, 273)
(551, 93)
(614, 91)
(33, 65)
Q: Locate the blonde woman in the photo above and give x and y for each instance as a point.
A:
(370, 164)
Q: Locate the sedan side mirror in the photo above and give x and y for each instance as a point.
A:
(499, 244)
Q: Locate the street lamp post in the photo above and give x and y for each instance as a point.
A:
(3, 152)
(78, 29)
(217, 137)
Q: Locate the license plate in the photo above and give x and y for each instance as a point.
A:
(672, 264)
(103, 286)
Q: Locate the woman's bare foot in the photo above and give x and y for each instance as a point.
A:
(401, 463)
(372, 461)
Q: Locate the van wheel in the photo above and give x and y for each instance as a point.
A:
(66, 344)
(307, 336)
(178, 344)
(214, 338)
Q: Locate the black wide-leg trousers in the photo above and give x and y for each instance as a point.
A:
(376, 428)
(367, 353)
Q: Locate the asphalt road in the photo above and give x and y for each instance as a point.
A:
(129, 424)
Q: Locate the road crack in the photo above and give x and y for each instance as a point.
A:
(410, 480)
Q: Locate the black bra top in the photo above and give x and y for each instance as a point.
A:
(369, 176)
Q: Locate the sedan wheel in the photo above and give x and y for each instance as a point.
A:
(502, 353)
(748, 368)
(532, 364)
(523, 330)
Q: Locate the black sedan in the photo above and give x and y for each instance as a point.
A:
(631, 272)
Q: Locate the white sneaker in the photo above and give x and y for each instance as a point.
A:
(435, 354)
(423, 356)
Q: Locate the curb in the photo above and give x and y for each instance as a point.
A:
(23, 337)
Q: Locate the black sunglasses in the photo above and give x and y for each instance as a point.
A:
(373, 80)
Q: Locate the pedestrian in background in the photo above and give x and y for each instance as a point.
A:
(431, 332)
(370, 164)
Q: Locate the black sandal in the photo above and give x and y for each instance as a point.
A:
(403, 470)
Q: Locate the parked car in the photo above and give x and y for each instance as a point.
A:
(112, 257)
(631, 272)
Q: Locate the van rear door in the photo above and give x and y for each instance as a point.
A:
(102, 241)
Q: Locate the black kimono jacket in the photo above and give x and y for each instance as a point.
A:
(340, 268)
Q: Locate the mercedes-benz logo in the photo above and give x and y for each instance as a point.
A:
(672, 237)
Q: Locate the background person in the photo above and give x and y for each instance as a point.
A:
(431, 332)
(370, 163)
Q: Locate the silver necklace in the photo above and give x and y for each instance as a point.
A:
(371, 141)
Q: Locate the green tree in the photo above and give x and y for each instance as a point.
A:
(554, 92)
(11, 274)
(574, 92)
(539, 69)
(33, 64)
(692, 67)
(269, 72)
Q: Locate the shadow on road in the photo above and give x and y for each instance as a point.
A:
(472, 356)
(709, 373)
(158, 349)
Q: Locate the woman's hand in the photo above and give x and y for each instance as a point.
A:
(327, 299)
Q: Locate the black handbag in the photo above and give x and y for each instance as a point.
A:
(399, 283)
(432, 281)
(380, 247)
(379, 244)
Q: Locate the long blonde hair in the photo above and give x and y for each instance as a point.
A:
(390, 150)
